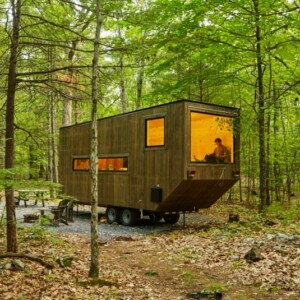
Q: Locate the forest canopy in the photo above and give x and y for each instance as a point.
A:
(237, 53)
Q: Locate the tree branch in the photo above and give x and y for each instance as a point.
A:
(28, 256)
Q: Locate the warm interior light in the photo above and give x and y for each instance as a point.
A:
(155, 134)
(81, 164)
(205, 128)
(104, 164)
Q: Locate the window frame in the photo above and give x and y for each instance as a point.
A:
(74, 158)
(104, 156)
(113, 156)
(233, 143)
(150, 118)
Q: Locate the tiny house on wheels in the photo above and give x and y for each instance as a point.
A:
(154, 162)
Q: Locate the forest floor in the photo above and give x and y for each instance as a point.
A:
(201, 260)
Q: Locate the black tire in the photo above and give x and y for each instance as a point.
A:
(171, 219)
(155, 217)
(112, 214)
(128, 216)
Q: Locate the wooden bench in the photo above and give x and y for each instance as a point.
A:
(63, 212)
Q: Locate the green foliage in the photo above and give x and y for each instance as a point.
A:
(275, 218)
(212, 289)
(187, 276)
(151, 273)
(65, 261)
(200, 50)
(45, 220)
(284, 213)
(39, 234)
(97, 281)
(18, 178)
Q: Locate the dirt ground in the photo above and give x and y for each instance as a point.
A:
(206, 257)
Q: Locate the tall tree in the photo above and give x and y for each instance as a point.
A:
(260, 97)
(206, 50)
(94, 266)
(12, 243)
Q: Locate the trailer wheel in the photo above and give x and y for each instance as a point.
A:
(129, 217)
(155, 217)
(112, 214)
(171, 219)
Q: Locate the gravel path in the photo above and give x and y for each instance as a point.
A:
(106, 231)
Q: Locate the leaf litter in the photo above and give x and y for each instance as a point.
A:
(198, 258)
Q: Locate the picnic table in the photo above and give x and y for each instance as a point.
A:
(26, 195)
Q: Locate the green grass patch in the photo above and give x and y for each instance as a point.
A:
(97, 281)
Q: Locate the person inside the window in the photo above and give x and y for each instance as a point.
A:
(221, 153)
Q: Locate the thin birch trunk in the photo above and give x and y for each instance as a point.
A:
(94, 266)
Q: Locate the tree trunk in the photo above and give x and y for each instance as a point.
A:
(54, 164)
(52, 173)
(276, 165)
(200, 82)
(140, 81)
(268, 173)
(122, 81)
(94, 266)
(11, 234)
(122, 86)
(261, 109)
(68, 100)
(67, 111)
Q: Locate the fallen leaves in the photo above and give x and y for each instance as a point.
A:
(206, 256)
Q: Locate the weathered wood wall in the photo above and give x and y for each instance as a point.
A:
(147, 167)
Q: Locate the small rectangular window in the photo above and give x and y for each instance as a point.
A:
(104, 164)
(155, 132)
(113, 164)
(81, 164)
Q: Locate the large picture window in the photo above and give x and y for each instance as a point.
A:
(212, 139)
(155, 132)
(119, 164)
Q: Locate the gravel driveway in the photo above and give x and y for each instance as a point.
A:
(106, 231)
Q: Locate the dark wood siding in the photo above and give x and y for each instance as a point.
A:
(165, 167)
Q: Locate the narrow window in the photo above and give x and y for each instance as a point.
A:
(113, 164)
(81, 164)
(155, 132)
(117, 164)
(212, 139)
